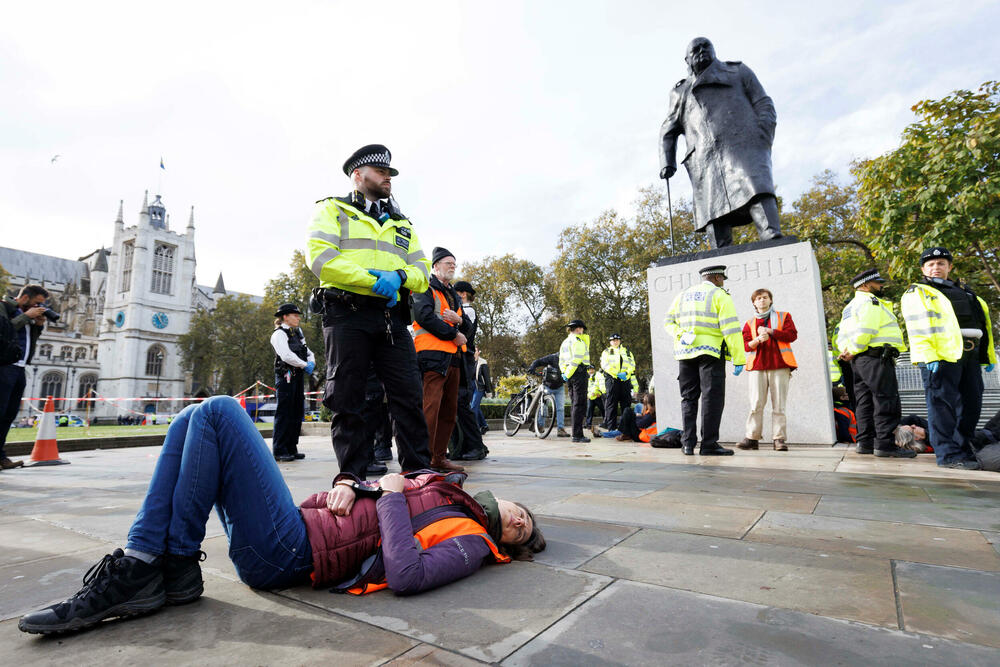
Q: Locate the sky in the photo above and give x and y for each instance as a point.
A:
(508, 121)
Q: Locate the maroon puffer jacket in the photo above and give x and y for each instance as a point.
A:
(341, 543)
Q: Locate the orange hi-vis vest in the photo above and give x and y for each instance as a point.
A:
(646, 434)
(372, 576)
(425, 340)
(777, 321)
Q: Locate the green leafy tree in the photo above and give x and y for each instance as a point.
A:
(4, 280)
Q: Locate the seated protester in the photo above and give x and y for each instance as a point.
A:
(633, 428)
(843, 416)
(912, 434)
(428, 530)
(987, 435)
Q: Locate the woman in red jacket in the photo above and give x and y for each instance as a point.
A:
(213, 455)
(767, 339)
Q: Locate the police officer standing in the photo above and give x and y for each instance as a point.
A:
(702, 321)
(950, 337)
(618, 366)
(574, 357)
(870, 338)
(292, 361)
(368, 260)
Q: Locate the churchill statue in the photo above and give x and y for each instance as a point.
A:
(728, 125)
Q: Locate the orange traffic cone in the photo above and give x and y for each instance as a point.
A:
(46, 451)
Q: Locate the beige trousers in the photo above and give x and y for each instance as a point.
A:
(763, 384)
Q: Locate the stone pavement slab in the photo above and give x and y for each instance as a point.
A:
(29, 585)
(952, 515)
(992, 538)
(682, 628)
(485, 617)
(570, 543)
(950, 602)
(878, 539)
(834, 585)
(29, 540)
(745, 498)
(230, 625)
(835, 485)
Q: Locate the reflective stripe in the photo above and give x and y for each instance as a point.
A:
(919, 317)
(729, 320)
(730, 331)
(926, 332)
(885, 339)
(325, 236)
(345, 224)
(866, 330)
(357, 244)
(415, 257)
(423, 269)
(322, 259)
(393, 249)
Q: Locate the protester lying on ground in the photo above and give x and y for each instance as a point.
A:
(989, 434)
(912, 434)
(426, 531)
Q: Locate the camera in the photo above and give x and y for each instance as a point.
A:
(50, 315)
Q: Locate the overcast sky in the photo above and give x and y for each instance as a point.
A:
(508, 120)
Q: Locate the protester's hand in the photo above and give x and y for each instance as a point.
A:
(340, 500)
(460, 339)
(668, 172)
(763, 338)
(386, 284)
(35, 312)
(687, 337)
(737, 369)
(451, 317)
(932, 366)
(310, 367)
(990, 367)
(392, 483)
(622, 376)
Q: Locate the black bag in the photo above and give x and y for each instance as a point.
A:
(10, 351)
(670, 440)
(552, 378)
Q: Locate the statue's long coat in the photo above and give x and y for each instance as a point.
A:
(728, 125)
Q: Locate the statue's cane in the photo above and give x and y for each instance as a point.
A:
(670, 217)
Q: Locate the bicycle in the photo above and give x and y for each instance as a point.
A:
(531, 405)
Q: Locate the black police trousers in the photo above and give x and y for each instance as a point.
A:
(577, 386)
(465, 418)
(288, 416)
(877, 406)
(617, 399)
(354, 339)
(954, 394)
(704, 378)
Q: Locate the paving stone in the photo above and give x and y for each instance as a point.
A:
(746, 498)
(686, 517)
(685, 628)
(536, 492)
(989, 500)
(486, 616)
(877, 539)
(29, 540)
(853, 488)
(425, 654)
(950, 602)
(951, 515)
(992, 538)
(848, 587)
(230, 625)
(29, 585)
(570, 543)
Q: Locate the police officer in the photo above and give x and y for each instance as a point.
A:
(870, 338)
(293, 360)
(368, 260)
(950, 337)
(574, 357)
(618, 366)
(595, 393)
(706, 331)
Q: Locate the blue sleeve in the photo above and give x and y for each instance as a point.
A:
(408, 569)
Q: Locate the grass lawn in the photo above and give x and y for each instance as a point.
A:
(65, 433)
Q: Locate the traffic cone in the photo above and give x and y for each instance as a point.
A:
(46, 451)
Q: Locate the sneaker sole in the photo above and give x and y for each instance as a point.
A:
(175, 598)
(124, 610)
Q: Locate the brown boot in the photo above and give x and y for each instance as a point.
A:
(747, 443)
(7, 464)
(779, 446)
(442, 464)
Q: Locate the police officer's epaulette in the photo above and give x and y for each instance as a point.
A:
(734, 62)
(874, 300)
(320, 201)
(911, 288)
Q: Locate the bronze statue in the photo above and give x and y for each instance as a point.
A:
(728, 125)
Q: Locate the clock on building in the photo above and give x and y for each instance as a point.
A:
(120, 319)
(160, 320)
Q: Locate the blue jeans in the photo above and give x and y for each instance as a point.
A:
(214, 455)
(477, 398)
(559, 395)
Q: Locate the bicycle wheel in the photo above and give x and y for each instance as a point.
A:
(546, 417)
(513, 415)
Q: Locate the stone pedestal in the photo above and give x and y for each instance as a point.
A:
(786, 267)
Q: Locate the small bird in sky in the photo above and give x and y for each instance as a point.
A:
(54, 158)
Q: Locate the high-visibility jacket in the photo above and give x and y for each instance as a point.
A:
(635, 384)
(425, 340)
(932, 326)
(595, 385)
(835, 372)
(345, 242)
(650, 387)
(708, 312)
(868, 321)
(618, 360)
(776, 321)
(575, 350)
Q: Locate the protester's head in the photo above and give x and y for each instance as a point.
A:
(869, 280)
(369, 168)
(909, 437)
(576, 326)
(31, 295)
(936, 263)
(648, 404)
(699, 55)
(762, 299)
(443, 264)
(465, 291)
(520, 537)
(840, 394)
(287, 313)
(714, 274)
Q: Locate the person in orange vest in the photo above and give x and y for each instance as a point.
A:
(439, 332)
(767, 339)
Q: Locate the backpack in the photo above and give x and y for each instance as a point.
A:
(552, 378)
(670, 440)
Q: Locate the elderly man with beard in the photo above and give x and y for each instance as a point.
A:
(728, 125)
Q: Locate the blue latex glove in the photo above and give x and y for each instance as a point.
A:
(310, 367)
(990, 367)
(387, 284)
(737, 370)
(932, 366)
(565, 379)
(622, 376)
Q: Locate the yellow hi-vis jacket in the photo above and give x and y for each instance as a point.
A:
(595, 385)
(835, 372)
(708, 312)
(615, 361)
(868, 321)
(933, 329)
(575, 350)
(344, 242)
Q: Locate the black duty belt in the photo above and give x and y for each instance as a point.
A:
(354, 301)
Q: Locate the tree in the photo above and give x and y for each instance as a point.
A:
(940, 187)
(4, 282)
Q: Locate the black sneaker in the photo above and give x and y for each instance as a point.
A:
(383, 455)
(864, 450)
(284, 458)
(376, 468)
(896, 453)
(182, 578)
(299, 456)
(968, 464)
(116, 587)
(581, 440)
